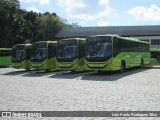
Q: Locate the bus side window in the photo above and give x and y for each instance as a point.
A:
(115, 47)
(28, 52)
(51, 50)
(81, 49)
(5, 52)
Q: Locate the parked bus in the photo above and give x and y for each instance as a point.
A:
(112, 52)
(5, 56)
(155, 56)
(70, 54)
(21, 56)
(44, 55)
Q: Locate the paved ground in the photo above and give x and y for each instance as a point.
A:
(134, 90)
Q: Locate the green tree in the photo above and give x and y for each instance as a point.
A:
(49, 25)
(20, 26)
(8, 11)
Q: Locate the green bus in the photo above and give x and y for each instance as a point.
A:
(5, 56)
(112, 52)
(70, 54)
(43, 55)
(155, 56)
(21, 56)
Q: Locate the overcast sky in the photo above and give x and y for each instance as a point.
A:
(100, 12)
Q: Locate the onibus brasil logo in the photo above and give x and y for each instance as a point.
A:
(21, 114)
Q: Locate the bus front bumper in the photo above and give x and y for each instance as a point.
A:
(17, 65)
(98, 66)
(67, 65)
(39, 65)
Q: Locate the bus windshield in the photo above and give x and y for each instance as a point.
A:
(67, 49)
(18, 53)
(98, 48)
(39, 52)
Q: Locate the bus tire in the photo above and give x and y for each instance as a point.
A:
(123, 67)
(48, 70)
(99, 71)
(73, 71)
(142, 63)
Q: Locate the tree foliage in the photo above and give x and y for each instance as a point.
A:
(19, 26)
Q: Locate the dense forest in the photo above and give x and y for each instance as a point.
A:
(19, 26)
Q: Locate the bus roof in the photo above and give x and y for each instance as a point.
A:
(24, 44)
(125, 38)
(28, 44)
(5, 48)
(103, 35)
(74, 39)
(133, 39)
(46, 42)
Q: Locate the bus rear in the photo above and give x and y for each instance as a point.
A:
(21, 56)
(5, 56)
(70, 54)
(43, 55)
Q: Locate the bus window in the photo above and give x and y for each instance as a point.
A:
(67, 49)
(158, 56)
(115, 47)
(39, 52)
(5, 52)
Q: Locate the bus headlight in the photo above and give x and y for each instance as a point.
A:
(109, 62)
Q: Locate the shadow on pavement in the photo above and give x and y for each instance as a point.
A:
(112, 76)
(39, 73)
(69, 74)
(80, 75)
(8, 66)
(154, 67)
(19, 72)
(96, 76)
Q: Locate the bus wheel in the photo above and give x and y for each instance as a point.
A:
(73, 71)
(99, 71)
(142, 63)
(122, 69)
(47, 70)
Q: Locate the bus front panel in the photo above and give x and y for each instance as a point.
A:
(43, 56)
(68, 55)
(98, 54)
(20, 58)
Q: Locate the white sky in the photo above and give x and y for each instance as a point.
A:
(100, 12)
